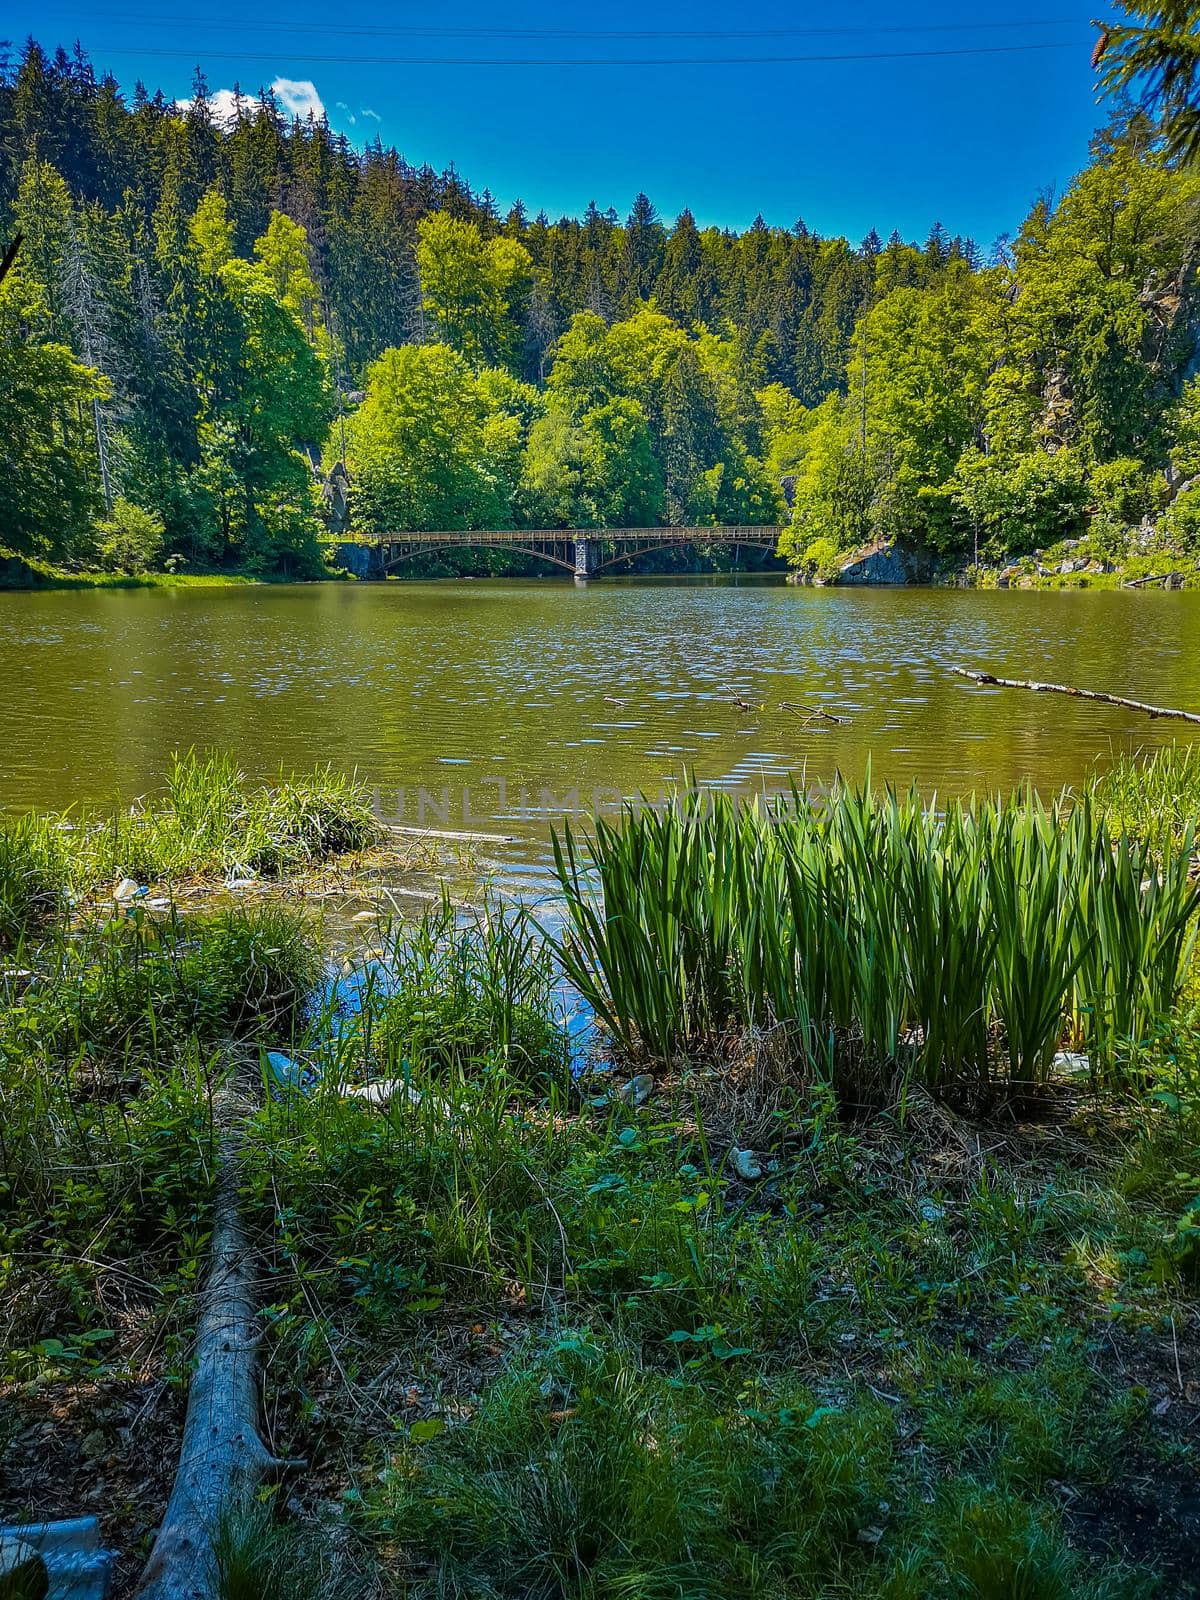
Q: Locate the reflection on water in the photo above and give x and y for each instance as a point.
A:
(507, 701)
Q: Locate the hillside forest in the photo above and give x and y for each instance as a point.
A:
(205, 315)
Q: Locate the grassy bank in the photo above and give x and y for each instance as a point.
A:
(207, 823)
(840, 1281)
(27, 572)
(1092, 563)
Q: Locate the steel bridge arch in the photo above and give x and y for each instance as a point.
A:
(631, 553)
(466, 543)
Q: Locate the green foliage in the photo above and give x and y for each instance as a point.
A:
(211, 820)
(599, 471)
(1182, 520)
(142, 987)
(586, 1476)
(834, 484)
(129, 540)
(473, 287)
(92, 1184)
(194, 417)
(1007, 407)
(32, 877)
(1154, 798)
(821, 559)
(430, 447)
(1123, 489)
(1183, 425)
(169, 327)
(469, 994)
(51, 486)
(879, 937)
(23, 1573)
(1026, 501)
(259, 1557)
(1155, 55)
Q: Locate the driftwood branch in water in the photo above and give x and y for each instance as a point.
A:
(1079, 694)
(222, 1458)
(411, 832)
(809, 711)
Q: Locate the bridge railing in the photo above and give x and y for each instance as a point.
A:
(751, 533)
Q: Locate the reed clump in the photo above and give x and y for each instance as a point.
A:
(1156, 798)
(32, 878)
(210, 820)
(959, 948)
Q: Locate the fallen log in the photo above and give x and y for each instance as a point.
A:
(222, 1458)
(1167, 578)
(989, 679)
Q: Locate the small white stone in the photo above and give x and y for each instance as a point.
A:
(745, 1163)
(637, 1091)
(1071, 1063)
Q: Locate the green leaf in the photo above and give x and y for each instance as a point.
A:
(422, 1432)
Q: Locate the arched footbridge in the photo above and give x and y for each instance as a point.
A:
(583, 552)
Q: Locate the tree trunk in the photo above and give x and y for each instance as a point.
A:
(222, 1457)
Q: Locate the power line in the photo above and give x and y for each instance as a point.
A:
(605, 61)
(379, 30)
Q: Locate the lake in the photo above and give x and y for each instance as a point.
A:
(507, 701)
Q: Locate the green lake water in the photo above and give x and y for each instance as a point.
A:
(495, 705)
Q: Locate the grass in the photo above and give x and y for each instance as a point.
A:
(18, 571)
(567, 1351)
(108, 1055)
(211, 821)
(539, 1337)
(258, 1557)
(32, 878)
(958, 950)
(1155, 798)
(208, 822)
(585, 1474)
(238, 973)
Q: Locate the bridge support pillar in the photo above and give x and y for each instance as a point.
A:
(586, 553)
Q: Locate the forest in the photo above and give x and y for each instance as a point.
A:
(205, 314)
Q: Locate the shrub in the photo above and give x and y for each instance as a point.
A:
(142, 990)
(821, 560)
(129, 539)
(1124, 489)
(1023, 501)
(1182, 519)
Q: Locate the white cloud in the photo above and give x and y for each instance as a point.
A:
(365, 111)
(297, 96)
(223, 103)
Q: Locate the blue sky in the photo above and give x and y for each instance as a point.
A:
(900, 137)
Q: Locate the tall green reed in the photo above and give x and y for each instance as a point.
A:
(959, 945)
